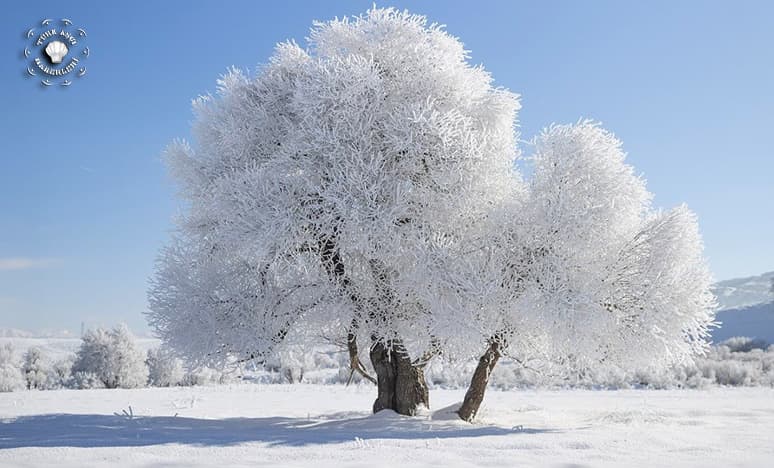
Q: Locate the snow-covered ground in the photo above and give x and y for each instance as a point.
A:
(327, 426)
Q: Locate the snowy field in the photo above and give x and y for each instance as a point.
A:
(330, 426)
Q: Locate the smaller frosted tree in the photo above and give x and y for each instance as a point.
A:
(35, 369)
(10, 375)
(112, 358)
(582, 272)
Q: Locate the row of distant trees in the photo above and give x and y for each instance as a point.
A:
(107, 358)
(111, 359)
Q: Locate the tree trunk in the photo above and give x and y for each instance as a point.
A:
(385, 377)
(475, 394)
(401, 385)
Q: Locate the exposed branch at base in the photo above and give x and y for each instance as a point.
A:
(355, 364)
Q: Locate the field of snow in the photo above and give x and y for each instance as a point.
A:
(331, 426)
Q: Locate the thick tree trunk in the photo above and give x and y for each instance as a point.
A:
(475, 394)
(411, 391)
(385, 377)
(401, 385)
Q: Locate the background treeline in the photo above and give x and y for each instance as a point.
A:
(112, 359)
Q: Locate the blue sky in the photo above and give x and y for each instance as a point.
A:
(85, 202)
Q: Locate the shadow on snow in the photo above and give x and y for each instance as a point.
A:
(94, 430)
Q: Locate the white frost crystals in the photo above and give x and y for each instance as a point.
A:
(365, 187)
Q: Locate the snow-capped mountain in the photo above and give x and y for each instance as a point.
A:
(746, 307)
(742, 292)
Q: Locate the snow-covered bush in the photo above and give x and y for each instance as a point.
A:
(85, 380)
(110, 357)
(10, 372)
(293, 361)
(60, 374)
(723, 366)
(164, 368)
(208, 376)
(729, 372)
(36, 369)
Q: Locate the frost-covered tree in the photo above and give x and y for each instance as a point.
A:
(586, 274)
(126, 361)
(317, 191)
(92, 360)
(10, 373)
(110, 358)
(35, 369)
(363, 191)
(164, 368)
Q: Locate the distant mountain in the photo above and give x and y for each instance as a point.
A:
(743, 292)
(746, 308)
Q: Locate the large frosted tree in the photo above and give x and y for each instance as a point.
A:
(317, 191)
(363, 190)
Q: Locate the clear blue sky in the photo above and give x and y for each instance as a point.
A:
(85, 202)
